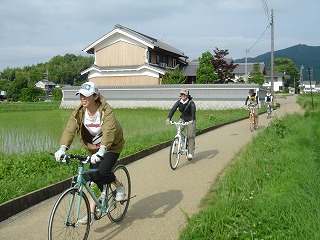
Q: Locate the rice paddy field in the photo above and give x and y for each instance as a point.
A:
(29, 131)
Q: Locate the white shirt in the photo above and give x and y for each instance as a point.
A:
(92, 123)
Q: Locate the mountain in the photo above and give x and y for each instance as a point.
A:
(301, 54)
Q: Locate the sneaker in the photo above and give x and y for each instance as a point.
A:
(84, 220)
(190, 156)
(120, 193)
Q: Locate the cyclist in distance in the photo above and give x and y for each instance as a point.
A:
(252, 99)
(101, 134)
(188, 114)
(268, 99)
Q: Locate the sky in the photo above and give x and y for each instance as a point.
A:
(34, 31)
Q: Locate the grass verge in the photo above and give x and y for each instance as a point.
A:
(271, 190)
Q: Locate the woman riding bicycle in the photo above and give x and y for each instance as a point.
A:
(252, 98)
(188, 114)
(102, 136)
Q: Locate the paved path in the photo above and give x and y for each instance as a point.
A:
(162, 194)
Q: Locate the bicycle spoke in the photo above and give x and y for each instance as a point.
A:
(63, 222)
(174, 156)
(118, 209)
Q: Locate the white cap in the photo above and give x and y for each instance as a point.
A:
(87, 89)
(185, 92)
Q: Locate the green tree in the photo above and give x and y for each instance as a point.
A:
(15, 87)
(57, 94)
(173, 77)
(287, 67)
(206, 72)
(256, 76)
(31, 94)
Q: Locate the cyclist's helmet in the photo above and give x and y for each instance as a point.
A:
(251, 91)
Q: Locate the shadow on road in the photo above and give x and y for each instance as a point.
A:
(155, 206)
(198, 157)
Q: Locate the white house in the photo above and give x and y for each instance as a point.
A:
(278, 80)
(305, 87)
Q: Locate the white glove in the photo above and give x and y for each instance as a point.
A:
(167, 121)
(190, 122)
(58, 154)
(98, 156)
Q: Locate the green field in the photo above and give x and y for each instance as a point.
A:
(33, 130)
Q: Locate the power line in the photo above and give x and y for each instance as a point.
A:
(259, 38)
(266, 9)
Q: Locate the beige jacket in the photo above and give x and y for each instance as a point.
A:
(112, 134)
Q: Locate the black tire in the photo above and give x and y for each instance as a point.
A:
(65, 205)
(175, 153)
(118, 209)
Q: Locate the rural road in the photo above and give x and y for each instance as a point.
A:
(162, 194)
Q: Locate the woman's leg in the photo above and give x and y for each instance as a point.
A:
(191, 137)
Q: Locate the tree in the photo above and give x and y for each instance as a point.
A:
(206, 72)
(256, 76)
(57, 94)
(223, 68)
(173, 77)
(31, 94)
(287, 67)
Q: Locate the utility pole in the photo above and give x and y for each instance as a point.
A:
(272, 50)
(246, 68)
(310, 88)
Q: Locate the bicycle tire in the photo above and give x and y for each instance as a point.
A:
(174, 156)
(59, 226)
(118, 209)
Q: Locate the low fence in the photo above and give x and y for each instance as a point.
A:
(206, 96)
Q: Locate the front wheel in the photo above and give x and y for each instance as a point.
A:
(252, 122)
(175, 152)
(118, 209)
(64, 217)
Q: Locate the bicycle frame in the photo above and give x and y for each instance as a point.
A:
(181, 131)
(252, 118)
(81, 183)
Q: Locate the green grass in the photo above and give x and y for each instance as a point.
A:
(272, 188)
(29, 135)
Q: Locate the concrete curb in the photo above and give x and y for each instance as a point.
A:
(12, 207)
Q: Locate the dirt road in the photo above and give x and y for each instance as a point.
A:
(162, 194)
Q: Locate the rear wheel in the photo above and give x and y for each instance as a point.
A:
(63, 221)
(118, 209)
(175, 152)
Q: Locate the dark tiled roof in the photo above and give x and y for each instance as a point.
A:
(191, 69)
(153, 41)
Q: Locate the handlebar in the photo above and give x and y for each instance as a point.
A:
(67, 158)
(179, 123)
(252, 106)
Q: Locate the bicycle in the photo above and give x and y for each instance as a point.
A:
(179, 144)
(73, 203)
(269, 109)
(252, 119)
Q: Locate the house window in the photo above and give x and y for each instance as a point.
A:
(158, 59)
(174, 62)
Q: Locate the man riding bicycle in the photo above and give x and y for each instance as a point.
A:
(252, 99)
(268, 100)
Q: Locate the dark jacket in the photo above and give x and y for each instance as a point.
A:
(112, 134)
(188, 110)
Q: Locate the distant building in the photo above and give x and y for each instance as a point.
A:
(46, 85)
(126, 57)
